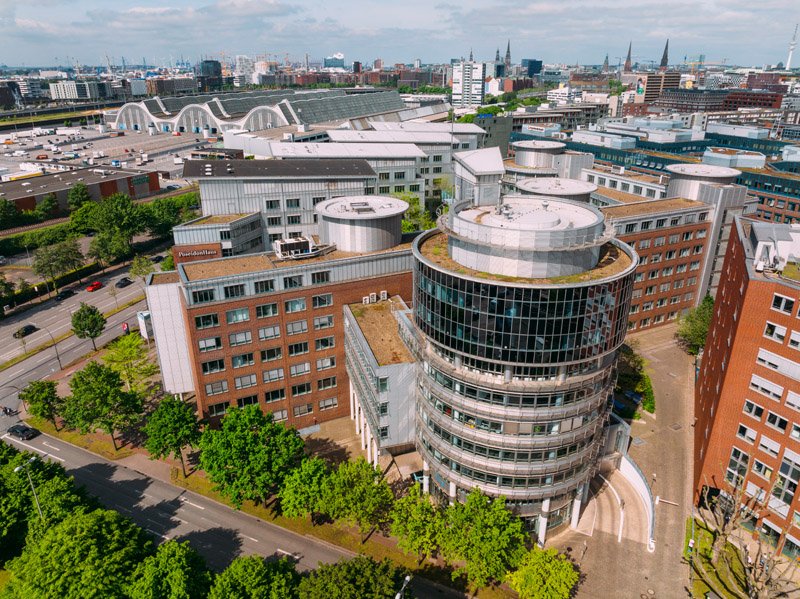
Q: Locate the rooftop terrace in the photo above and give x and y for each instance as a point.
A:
(379, 327)
(651, 207)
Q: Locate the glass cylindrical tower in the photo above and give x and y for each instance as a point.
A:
(520, 310)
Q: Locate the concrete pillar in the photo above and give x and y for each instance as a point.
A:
(368, 439)
(352, 401)
(364, 430)
(543, 521)
(375, 451)
(576, 508)
(426, 477)
(585, 497)
(452, 492)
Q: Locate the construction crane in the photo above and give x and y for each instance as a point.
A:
(108, 64)
(792, 46)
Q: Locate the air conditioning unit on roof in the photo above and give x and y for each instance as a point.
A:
(365, 299)
(384, 295)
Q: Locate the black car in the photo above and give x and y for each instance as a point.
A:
(157, 259)
(64, 294)
(22, 432)
(24, 331)
(123, 282)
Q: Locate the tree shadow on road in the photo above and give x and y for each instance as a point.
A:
(219, 546)
(99, 476)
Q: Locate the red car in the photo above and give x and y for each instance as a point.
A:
(94, 286)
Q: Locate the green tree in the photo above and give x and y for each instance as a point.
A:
(88, 323)
(361, 576)
(417, 524)
(77, 196)
(41, 400)
(118, 214)
(171, 427)
(168, 263)
(46, 207)
(141, 266)
(9, 214)
(250, 455)
(357, 493)
(176, 571)
(6, 291)
(83, 218)
(128, 357)
(693, 328)
(301, 492)
(98, 401)
(253, 578)
(161, 215)
(110, 246)
(53, 260)
(86, 555)
(544, 574)
(59, 498)
(416, 218)
(482, 538)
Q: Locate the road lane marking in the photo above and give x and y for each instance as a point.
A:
(187, 502)
(252, 539)
(158, 534)
(36, 449)
(123, 508)
(45, 443)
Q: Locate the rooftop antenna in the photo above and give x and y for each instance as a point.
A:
(792, 46)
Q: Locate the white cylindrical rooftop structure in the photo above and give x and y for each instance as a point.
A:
(361, 223)
(685, 179)
(535, 153)
(568, 189)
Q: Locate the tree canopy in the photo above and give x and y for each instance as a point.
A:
(417, 523)
(361, 576)
(253, 578)
(301, 492)
(176, 571)
(171, 427)
(141, 266)
(544, 574)
(250, 455)
(53, 260)
(88, 323)
(127, 356)
(693, 328)
(42, 399)
(77, 196)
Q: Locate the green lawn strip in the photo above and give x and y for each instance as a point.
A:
(345, 537)
(60, 338)
(96, 443)
(722, 578)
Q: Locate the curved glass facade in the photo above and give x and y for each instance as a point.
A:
(516, 383)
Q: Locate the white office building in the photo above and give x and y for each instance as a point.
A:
(468, 80)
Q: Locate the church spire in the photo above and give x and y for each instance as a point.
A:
(497, 55)
(605, 64)
(628, 64)
(665, 57)
(470, 55)
(508, 57)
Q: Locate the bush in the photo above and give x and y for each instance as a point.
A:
(16, 244)
(28, 292)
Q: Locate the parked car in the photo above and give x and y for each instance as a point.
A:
(156, 259)
(3, 260)
(94, 286)
(24, 331)
(172, 187)
(64, 294)
(123, 282)
(22, 432)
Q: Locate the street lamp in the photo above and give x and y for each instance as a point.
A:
(24, 466)
(55, 347)
(402, 590)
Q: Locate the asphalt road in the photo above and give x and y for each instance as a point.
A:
(55, 317)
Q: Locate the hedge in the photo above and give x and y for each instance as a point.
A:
(17, 243)
(63, 280)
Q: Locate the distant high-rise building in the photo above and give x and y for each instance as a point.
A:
(334, 62)
(468, 84)
(417, 63)
(243, 71)
(531, 67)
(209, 68)
(357, 66)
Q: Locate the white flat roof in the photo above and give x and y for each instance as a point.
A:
(486, 161)
(408, 137)
(342, 150)
(361, 207)
(426, 126)
(528, 213)
(556, 186)
(534, 144)
(703, 170)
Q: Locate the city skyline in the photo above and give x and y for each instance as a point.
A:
(88, 30)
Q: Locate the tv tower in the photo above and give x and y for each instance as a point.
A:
(792, 46)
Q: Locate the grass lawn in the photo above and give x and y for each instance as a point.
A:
(726, 582)
(98, 443)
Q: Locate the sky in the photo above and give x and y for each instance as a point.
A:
(59, 32)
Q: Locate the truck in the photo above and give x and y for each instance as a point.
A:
(115, 163)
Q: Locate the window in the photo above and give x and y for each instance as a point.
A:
(793, 400)
(737, 466)
(270, 376)
(217, 388)
(383, 432)
(271, 354)
(669, 255)
(646, 225)
(297, 349)
(661, 223)
(296, 327)
(242, 360)
(272, 205)
(658, 242)
(775, 332)
(237, 315)
(437, 157)
(782, 304)
(383, 176)
(241, 338)
(301, 389)
(766, 387)
(326, 383)
(630, 227)
(795, 432)
(300, 369)
(399, 188)
(294, 305)
(746, 433)
(644, 243)
(266, 333)
(637, 189)
(247, 401)
(761, 469)
(788, 477)
(326, 363)
(323, 322)
(294, 219)
(213, 366)
(266, 310)
(752, 409)
(698, 249)
(303, 410)
(223, 235)
(769, 446)
(383, 408)
(687, 236)
(776, 421)
(656, 257)
(274, 221)
(210, 344)
(206, 321)
(293, 282)
(245, 381)
(794, 339)
(232, 291)
(328, 404)
(694, 266)
(322, 301)
(279, 415)
(275, 395)
(293, 203)
(218, 409)
(318, 278)
(383, 384)
(324, 343)
(317, 200)
(383, 189)
(264, 286)
(202, 296)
